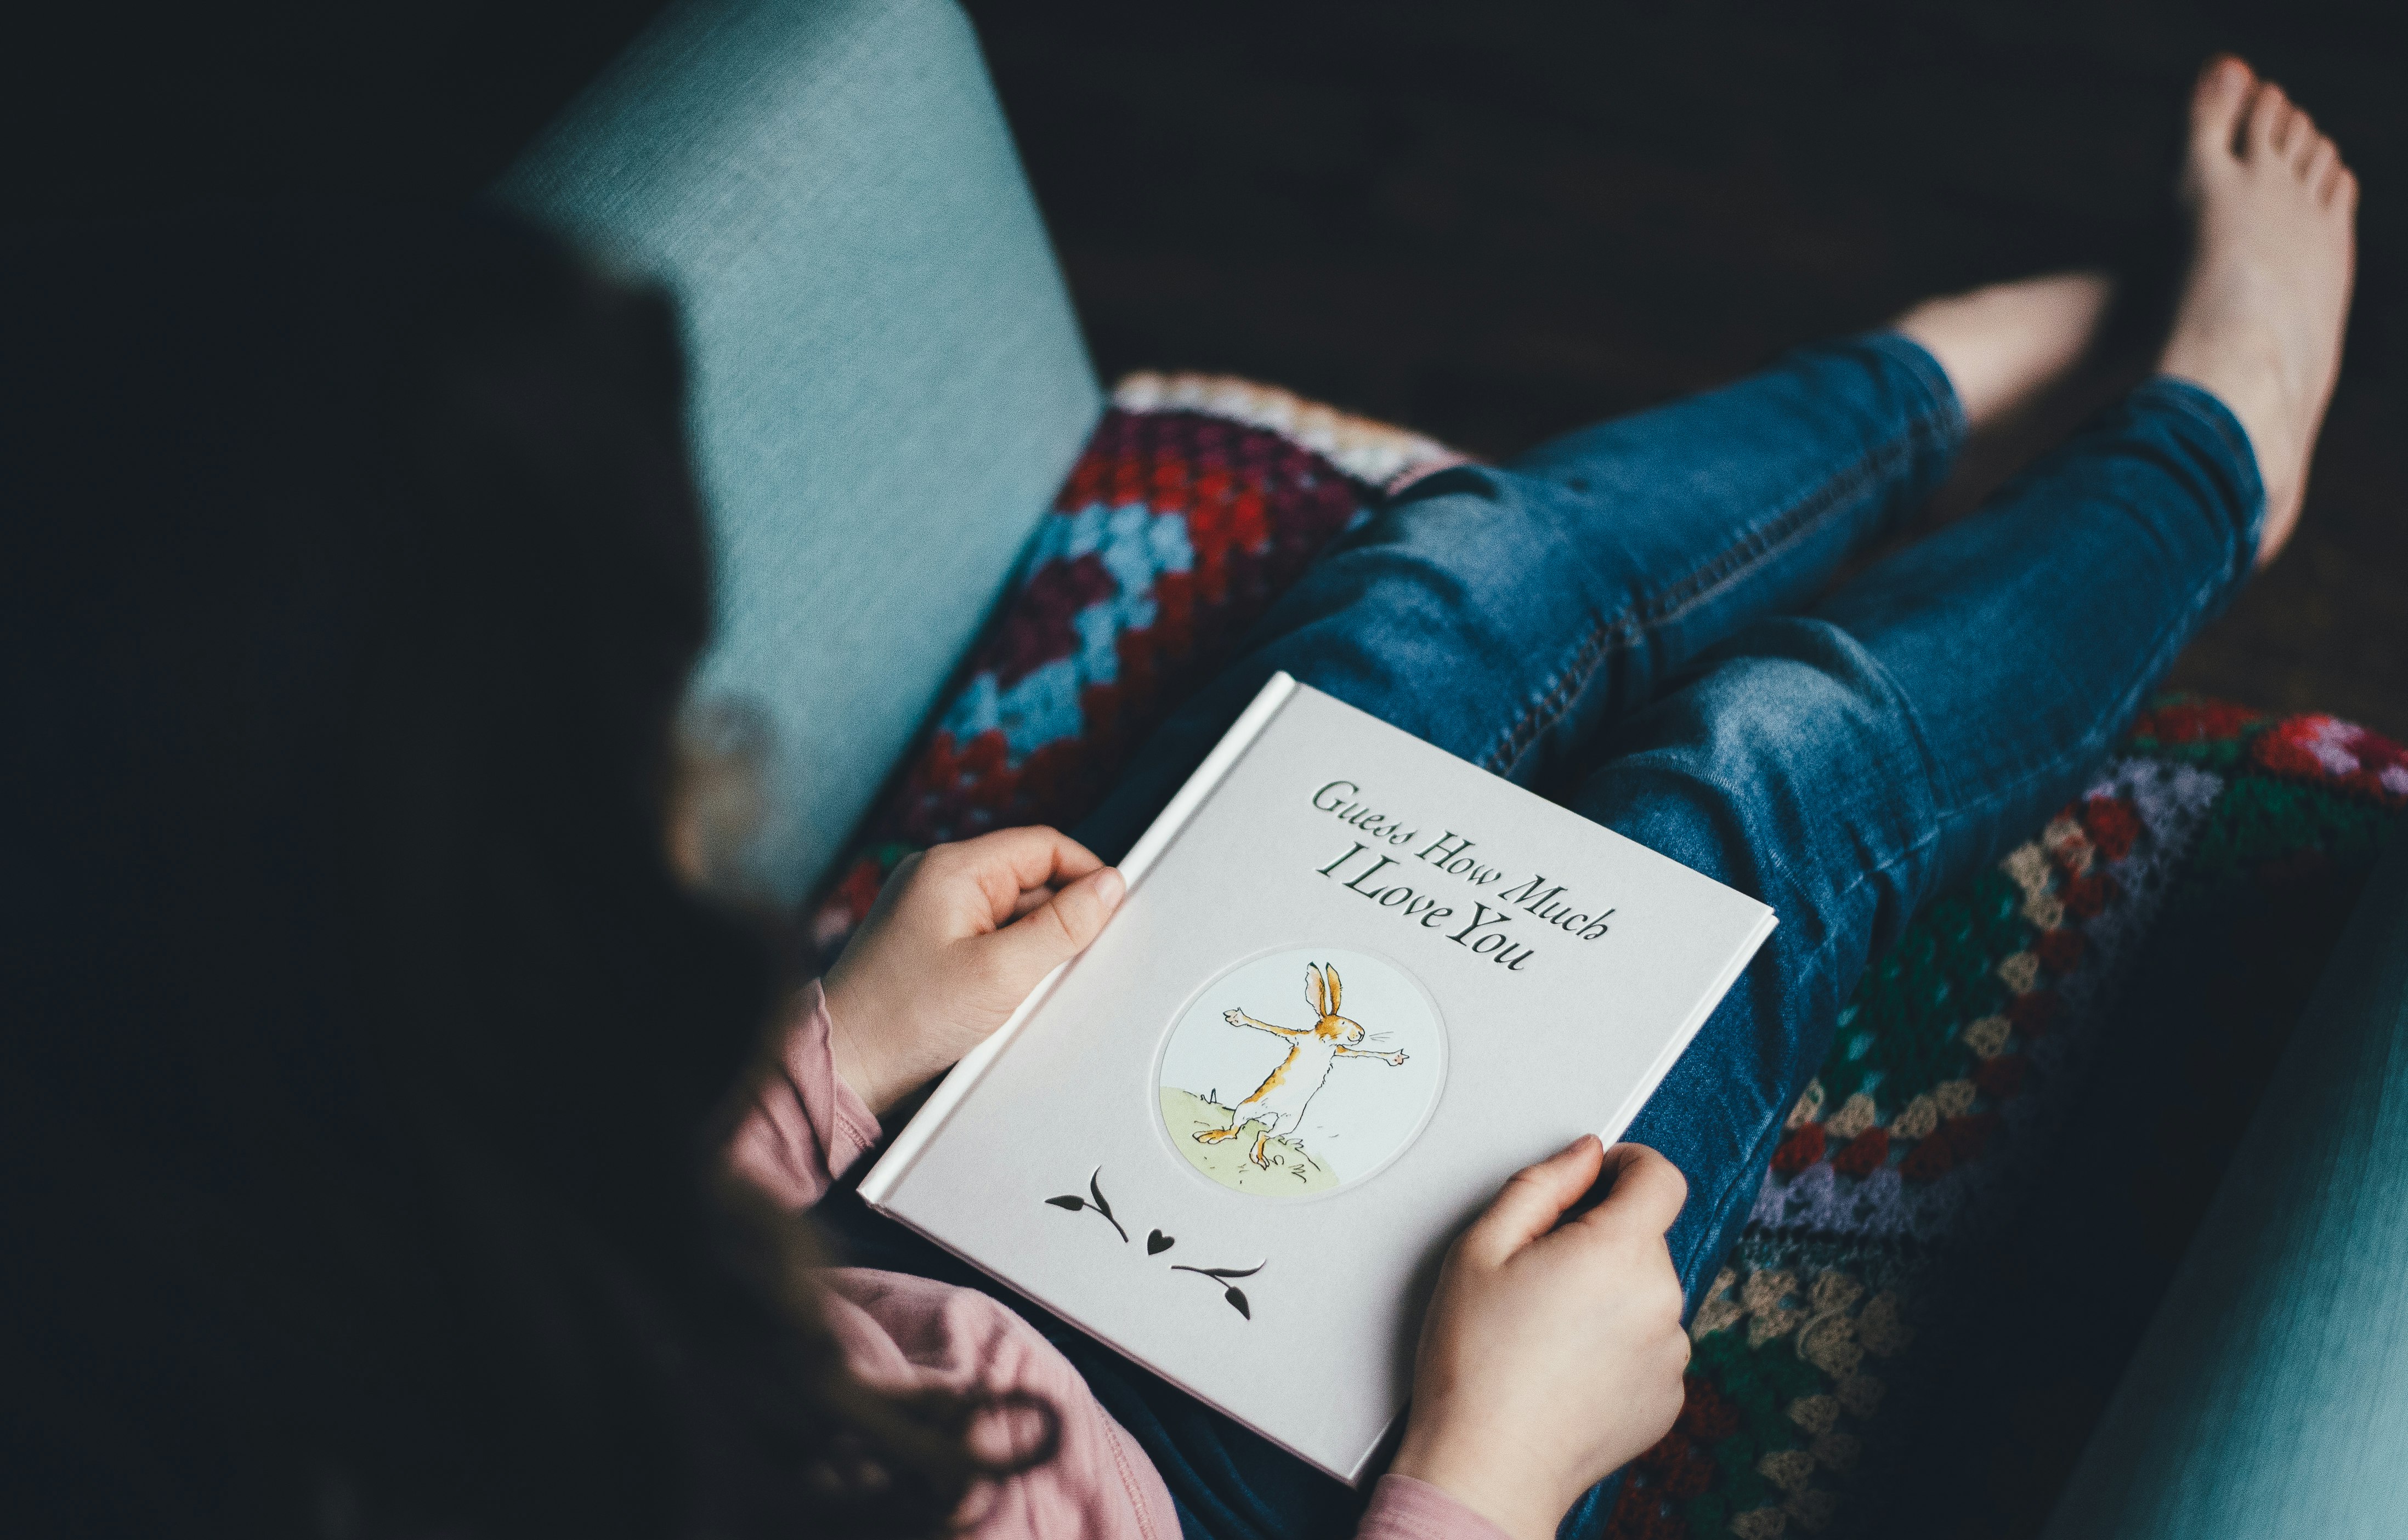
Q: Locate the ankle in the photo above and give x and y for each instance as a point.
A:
(2006, 346)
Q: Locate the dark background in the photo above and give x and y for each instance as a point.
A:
(1489, 221)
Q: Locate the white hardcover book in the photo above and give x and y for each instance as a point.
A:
(1357, 983)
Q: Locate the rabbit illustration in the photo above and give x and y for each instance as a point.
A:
(1279, 1103)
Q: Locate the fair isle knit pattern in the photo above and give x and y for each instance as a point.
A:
(1951, 1069)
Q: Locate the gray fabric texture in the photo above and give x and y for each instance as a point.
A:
(888, 381)
(2270, 1397)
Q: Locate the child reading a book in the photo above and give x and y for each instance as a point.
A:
(1634, 617)
(358, 1154)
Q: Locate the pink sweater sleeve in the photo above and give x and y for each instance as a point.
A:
(806, 1127)
(1403, 1508)
(804, 1130)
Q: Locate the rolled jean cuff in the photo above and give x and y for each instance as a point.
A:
(2207, 427)
(1946, 413)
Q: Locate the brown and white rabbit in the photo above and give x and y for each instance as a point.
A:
(1279, 1103)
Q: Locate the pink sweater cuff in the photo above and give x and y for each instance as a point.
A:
(806, 1127)
(1403, 1508)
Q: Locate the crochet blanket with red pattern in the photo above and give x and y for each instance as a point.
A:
(1944, 1271)
(1856, 1365)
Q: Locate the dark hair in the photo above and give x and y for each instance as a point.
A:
(365, 1053)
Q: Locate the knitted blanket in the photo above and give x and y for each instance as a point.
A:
(2027, 1102)
(2025, 1108)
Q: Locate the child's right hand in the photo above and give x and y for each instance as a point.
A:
(1551, 1356)
(958, 938)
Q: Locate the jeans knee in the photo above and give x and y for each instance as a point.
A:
(1790, 768)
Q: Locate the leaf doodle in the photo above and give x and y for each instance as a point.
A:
(1235, 1295)
(1073, 1204)
(1156, 1243)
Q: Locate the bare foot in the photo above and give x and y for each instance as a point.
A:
(2259, 322)
(2006, 346)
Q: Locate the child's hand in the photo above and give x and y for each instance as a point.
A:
(1551, 1356)
(958, 938)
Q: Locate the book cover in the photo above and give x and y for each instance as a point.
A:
(1356, 982)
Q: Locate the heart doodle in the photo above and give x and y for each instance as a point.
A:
(1156, 1243)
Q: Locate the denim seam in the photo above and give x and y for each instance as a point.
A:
(1668, 605)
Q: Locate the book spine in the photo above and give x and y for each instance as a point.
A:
(948, 1097)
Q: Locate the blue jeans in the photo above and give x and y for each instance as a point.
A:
(1633, 619)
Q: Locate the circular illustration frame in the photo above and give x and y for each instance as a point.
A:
(1295, 1013)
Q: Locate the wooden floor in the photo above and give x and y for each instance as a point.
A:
(1496, 221)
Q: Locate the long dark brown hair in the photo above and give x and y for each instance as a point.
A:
(364, 1059)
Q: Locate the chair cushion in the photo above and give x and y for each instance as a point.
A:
(2271, 1394)
(888, 380)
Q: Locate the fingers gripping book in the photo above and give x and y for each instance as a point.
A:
(1356, 982)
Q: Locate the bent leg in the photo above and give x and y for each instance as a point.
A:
(1847, 765)
(1504, 613)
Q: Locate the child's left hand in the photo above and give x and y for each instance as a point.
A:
(958, 938)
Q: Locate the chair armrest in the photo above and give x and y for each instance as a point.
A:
(2270, 1396)
(888, 383)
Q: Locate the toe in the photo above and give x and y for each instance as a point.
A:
(2216, 102)
(2317, 166)
(2300, 138)
(2270, 114)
